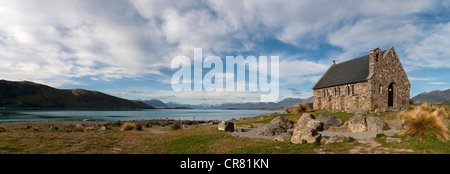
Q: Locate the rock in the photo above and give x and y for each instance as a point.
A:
(390, 140)
(395, 124)
(345, 123)
(258, 125)
(103, 128)
(285, 136)
(375, 124)
(308, 121)
(226, 126)
(339, 129)
(328, 121)
(271, 130)
(239, 130)
(283, 122)
(361, 112)
(380, 110)
(333, 139)
(307, 134)
(357, 124)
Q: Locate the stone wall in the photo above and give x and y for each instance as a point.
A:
(387, 71)
(349, 97)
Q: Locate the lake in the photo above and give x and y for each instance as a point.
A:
(183, 114)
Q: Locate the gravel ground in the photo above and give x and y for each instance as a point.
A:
(251, 133)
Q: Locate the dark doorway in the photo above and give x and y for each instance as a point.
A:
(391, 95)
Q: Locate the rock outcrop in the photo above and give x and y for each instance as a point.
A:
(226, 126)
(305, 135)
(283, 122)
(271, 130)
(328, 121)
(308, 121)
(357, 124)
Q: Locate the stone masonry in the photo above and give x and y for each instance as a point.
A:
(386, 85)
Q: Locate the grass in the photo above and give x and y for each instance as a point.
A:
(128, 127)
(21, 138)
(426, 121)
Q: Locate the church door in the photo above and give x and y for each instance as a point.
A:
(391, 95)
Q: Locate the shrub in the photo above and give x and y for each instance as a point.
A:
(426, 121)
(175, 127)
(300, 108)
(139, 127)
(54, 128)
(79, 128)
(2, 129)
(128, 127)
(89, 129)
(375, 106)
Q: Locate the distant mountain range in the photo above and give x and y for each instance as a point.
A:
(27, 94)
(288, 102)
(436, 96)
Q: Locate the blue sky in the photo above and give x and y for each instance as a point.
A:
(124, 48)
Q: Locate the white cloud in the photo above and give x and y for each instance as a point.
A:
(45, 41)
(438, 83)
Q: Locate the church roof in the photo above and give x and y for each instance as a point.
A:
(351, 71)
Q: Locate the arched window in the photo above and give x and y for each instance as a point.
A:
(348, 90)
(353, 90)
(377, 57)
(335, 92)
(339, 91)
(381, 89)
(324, 94)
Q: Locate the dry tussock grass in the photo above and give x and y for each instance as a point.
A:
(128, 127)
(424, 121)
(300, 108)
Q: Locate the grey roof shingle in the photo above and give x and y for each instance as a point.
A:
(351, 71)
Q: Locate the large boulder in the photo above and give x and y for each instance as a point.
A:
(328, 121)
(357, 124)
(307, 134)
(271, 130)
(333, 139)
(283, 122)
(226, 126)
(375, 124)
(308, 121)
(395, 124)
(285, 136)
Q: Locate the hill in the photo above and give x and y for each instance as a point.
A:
(436, 96)
(27, 94)
(154, 102)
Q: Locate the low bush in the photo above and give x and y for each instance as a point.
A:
(138, 127)
(89, 129)
(54, 128)
(128, 127)
(2, 129)
(426, 121)
(79, 128)
(302, 107)
(175, 127)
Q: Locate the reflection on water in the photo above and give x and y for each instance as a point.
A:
(183, 114)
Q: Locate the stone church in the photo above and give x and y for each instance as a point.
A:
(377, 80)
